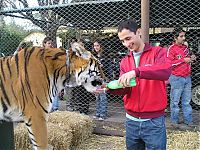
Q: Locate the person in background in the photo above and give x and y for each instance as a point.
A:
(180, 79)
(144, 103)
(101, 99)
(48, 43)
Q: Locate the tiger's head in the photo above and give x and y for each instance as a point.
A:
(83, 68)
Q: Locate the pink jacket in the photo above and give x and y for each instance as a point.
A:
(148, 99)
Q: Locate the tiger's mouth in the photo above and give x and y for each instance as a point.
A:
(91, 86)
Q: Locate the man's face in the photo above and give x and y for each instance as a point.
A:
(181, 38)
(130, 39)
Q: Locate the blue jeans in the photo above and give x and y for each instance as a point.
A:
(101, 105)
(146, 135)
(55, 103)
(180, 89)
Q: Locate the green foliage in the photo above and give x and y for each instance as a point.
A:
(10, 37)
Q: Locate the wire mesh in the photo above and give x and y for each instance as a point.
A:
(90, 20)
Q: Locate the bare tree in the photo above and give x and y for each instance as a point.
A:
(47, 20)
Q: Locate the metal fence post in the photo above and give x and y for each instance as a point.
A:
(6, 136)
(145, 20)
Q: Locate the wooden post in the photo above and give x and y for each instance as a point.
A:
(145, 20)
(6, 136)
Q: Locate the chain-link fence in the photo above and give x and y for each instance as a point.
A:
(90, 20)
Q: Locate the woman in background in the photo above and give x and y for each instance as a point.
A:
(101, 99)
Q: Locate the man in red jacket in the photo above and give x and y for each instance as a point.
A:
(144, 103)
(180, 79)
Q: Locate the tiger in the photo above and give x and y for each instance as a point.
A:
(32, 77)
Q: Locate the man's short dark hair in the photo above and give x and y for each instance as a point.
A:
(177, 30)
(129, 24)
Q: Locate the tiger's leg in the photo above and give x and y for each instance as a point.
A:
(37, 129)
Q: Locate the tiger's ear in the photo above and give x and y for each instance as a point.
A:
(80, 50)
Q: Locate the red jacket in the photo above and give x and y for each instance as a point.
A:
(148, 99)
(177, 53)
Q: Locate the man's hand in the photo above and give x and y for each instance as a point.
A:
(193, 58)
(190, 59)
(187, 60)
(124, 80)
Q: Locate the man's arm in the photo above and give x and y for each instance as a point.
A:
(160, 70)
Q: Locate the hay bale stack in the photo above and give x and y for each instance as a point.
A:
(58, 136)
(66, 130)
(81, 125)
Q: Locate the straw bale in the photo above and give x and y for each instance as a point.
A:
(81, 125)
(59, 137)
(56, 132)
